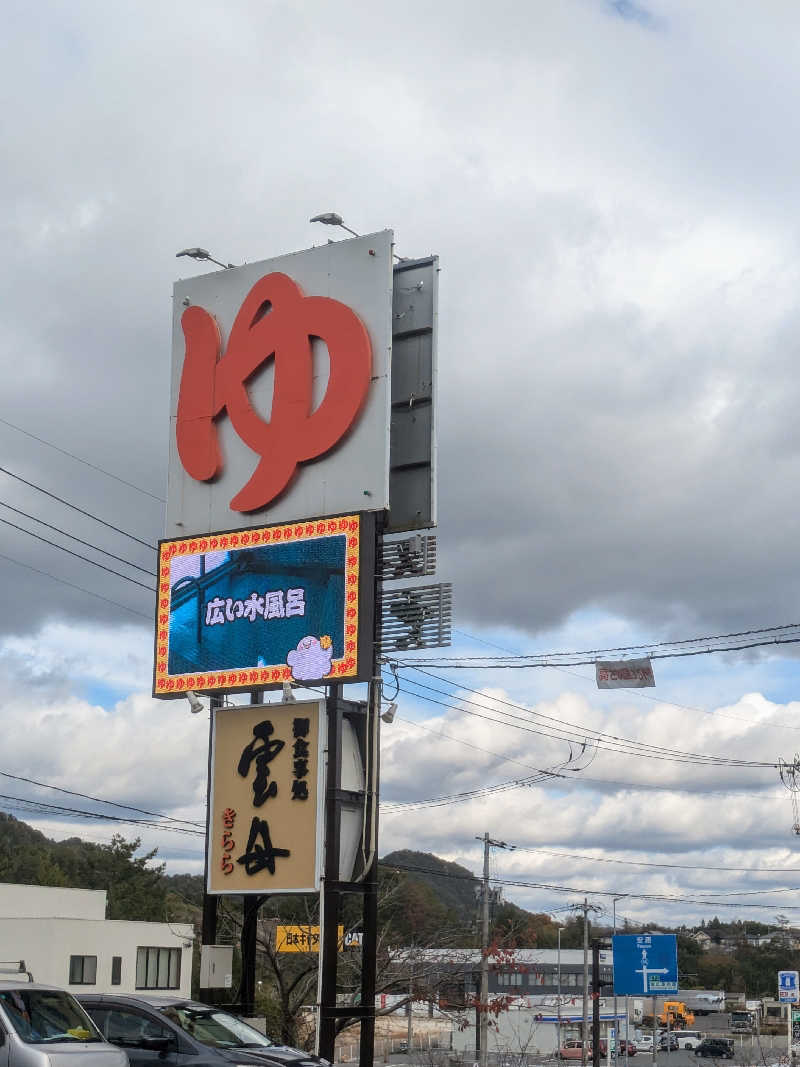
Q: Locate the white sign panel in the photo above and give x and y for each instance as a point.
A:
(280, 390)
(624, 674)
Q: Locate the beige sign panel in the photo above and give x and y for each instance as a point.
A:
(266, 814)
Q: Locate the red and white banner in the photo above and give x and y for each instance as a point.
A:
(625, 674)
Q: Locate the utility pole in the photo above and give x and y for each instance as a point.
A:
(585, 1027)
(586, 907)
(595, 1002)
(485, 955)
(483, 1007)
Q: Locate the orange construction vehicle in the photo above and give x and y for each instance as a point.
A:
(677, 1014)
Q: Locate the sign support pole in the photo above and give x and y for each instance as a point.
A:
(369, 944)
(248, 939)
(369, 940)
(789, 1007)
(331, 897)
(209, 930)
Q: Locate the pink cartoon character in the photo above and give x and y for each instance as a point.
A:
(311, 659)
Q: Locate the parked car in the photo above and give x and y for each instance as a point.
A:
(572, 1050)
(41, 1025)
(689, 1038)
(627, 1046)
(668, 1042)
(718, 1047)
(173, 1032)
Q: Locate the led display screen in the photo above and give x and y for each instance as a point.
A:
(259, 607)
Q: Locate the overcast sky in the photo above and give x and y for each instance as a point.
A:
(611, 187)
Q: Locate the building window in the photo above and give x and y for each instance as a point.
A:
(116, 970)
(82, 970)
(158, 968)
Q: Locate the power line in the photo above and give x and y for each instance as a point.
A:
(461, 665)
(43, 807)
(666, 898)
(607, 742)
(97, 800)
(74, 537)
(80, 588)
(80, 459)
(398, 807)
(642, 863)
(584, 779)
(77, 555)
(717, 714)
(74, 507)
(539, 658)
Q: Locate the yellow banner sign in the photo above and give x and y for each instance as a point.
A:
(306, 939)
(265, 821)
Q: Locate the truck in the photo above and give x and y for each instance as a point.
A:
(676, 1015)
(742, 1022)
(706, 1003)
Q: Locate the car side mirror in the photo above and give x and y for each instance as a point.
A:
(156, 1044)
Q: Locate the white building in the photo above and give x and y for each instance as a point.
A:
(532, 1028)
(65, 940)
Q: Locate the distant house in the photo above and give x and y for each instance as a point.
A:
(702, 939)
(65, 940)
(760, 940)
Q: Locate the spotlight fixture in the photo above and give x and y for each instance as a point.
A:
(389, 714)
(195, 703)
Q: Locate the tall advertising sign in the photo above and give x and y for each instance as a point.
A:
(265, 811)
(281, 389)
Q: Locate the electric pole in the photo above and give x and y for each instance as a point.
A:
(483, 1007)
(586, 907)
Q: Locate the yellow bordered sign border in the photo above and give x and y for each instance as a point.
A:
(359, 603)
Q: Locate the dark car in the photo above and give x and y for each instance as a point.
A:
(718, 1047)
(668, 1042)
(173, 1032)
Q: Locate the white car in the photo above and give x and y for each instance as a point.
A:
(688, 1038)
(644, 1043)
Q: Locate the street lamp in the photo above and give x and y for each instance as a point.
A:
(202, 255)
(330, 218)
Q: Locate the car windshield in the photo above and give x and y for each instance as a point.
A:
(44, 1016)
(216, 1028)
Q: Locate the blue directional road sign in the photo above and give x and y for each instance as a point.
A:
(645, 964)
(788, 986)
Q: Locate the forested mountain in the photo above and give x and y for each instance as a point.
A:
(136, 887)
